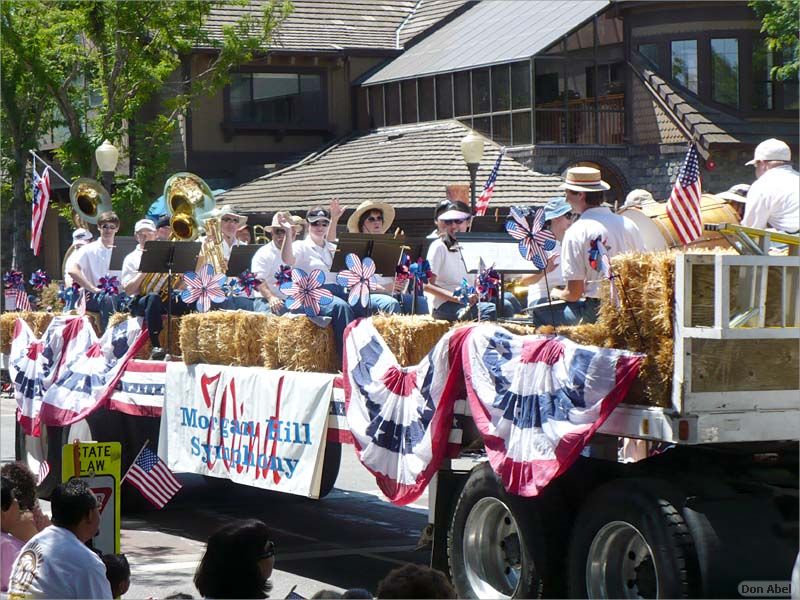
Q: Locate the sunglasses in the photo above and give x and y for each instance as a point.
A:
(320, 223)
(278, 231)
(454, 221)
(269, 550)
(108, 226)
(374, 219)
(229, 220)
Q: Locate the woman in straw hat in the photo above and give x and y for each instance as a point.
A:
(376, 218)
(584, 191)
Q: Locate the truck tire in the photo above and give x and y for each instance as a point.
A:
(497, 545)
(631, 541)
(330, 467)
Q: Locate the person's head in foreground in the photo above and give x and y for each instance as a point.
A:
(415, 581)
(74, 507)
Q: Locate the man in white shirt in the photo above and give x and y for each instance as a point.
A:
(584, 191)
(92, 263)
(56, 563)
(267, 261)
(80, 237)
(230, 222)
(774, 198)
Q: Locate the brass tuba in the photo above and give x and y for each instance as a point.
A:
(188, 198)
(89, 199)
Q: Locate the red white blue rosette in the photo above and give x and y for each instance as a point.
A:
(358, 278)
(305, 292)
(203, 287)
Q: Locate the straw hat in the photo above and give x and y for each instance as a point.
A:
(228, 210)
(584, 179)
(738, 193)
(288, 217)
(386, 209)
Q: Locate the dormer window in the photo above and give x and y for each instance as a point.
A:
(684, 63)
(725, 71)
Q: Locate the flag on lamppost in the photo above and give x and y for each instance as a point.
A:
(41, 199)
(488, 188)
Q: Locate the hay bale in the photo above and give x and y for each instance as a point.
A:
(48, 298)
(231, 338)
(410, 337)
(297, 344)
(147, 347)
(589, 334)
(37, 321)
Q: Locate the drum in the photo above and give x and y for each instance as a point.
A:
(659, 234)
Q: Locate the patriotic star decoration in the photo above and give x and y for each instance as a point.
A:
(487, 282)
(283, 275)
(358, 278)
(39, 279)
(527, 226)
(204, 287)
(305, 291)
(109, 285)
(13, 280)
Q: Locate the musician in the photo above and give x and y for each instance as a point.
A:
(243, 235)
(163, 229)
(80, 237)
(147, 289)
(376, 218)
(92, 262)
(268, 260)
(230, 223)
(584, 191)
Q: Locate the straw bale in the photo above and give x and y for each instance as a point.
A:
(231, 338)
(521, 328)
(297, 344)
(48, 298)
(410, 337)
(37, 321)
(588, 334)
(147, 347)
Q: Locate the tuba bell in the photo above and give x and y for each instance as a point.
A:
(89, 199)
(188, 198)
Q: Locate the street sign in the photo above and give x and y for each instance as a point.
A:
(99, 464)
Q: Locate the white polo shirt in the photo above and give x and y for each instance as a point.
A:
(619, 235)
(448, 267)
(94, 259)
(774, 201)
(538, 290)
(267, 262)
(130, 266)
(309, 256)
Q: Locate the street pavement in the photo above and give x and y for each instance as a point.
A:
(351, 538)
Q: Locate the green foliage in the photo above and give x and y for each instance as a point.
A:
(779, 22)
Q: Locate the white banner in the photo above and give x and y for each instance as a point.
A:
(250, 425)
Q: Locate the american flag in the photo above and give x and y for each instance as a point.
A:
(152, 478)
(23, 302)
(41, 198)
(44, 469)
(683, 206)
(488, 188)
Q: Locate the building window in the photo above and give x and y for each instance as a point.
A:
(461, 93)
(425, 89)
(684, 63)
(521, 85)
(444, 96)
(376, 106)
(650, 52)
(391, 92)
(409, 89)
(725, 71)
(501, 89)
(480, 91)
(279, 99)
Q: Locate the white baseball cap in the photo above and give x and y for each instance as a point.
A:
(771, 149)
(81, 235)
(144, 224)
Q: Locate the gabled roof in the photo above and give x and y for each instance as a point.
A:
(492, 32)
(335, 25)
(407, 166)
(711, 126)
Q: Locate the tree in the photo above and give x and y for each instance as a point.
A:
(779, 23)
(123, 54)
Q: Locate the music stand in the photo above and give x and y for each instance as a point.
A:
(488, 223)
(169, 257)
(241, 259)
(123, 245)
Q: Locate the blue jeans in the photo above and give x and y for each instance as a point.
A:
(105, 304)
(234, 303)
(566, 313)
(152, 309)
(511, 306)
(449, 311)
(421, 308)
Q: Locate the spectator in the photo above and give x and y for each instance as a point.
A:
(32, 519)
(237, 563)
(325, 594)
(56, 563)
(10, 545)
(118, 573)
(415, 581)
(359, 593)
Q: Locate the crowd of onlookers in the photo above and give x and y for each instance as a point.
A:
(43, 557)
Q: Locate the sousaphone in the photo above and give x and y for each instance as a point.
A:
(188, 199)
(89, 199)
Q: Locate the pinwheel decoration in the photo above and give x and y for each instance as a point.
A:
(527, 226)
(109, 285)
(421, 271)
(463, 292)
(15, 294)
(487, 282)
(305, 292)
(600, 262)
(283, 275)
(204, 287)
(39, 279)
(13, 280)
(358, 278)
(402, 272)
(247, 283)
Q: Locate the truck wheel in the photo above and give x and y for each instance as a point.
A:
(496, 545)
(330, 467)
(630, 541)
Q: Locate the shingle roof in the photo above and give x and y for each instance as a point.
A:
(497, 31)
(709, 125)
(407, 166)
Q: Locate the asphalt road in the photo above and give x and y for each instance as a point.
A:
(352, 538)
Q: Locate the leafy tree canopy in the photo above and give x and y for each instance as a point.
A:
(780, 20)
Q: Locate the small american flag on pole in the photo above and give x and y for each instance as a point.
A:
(41, 198)
(683, 206)
(22, 299)
(488, 188)
(152, 478)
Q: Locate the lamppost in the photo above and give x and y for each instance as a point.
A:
(472, 151)
(107, 156)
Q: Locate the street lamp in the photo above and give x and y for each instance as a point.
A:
(107, 156)
(472, 151)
